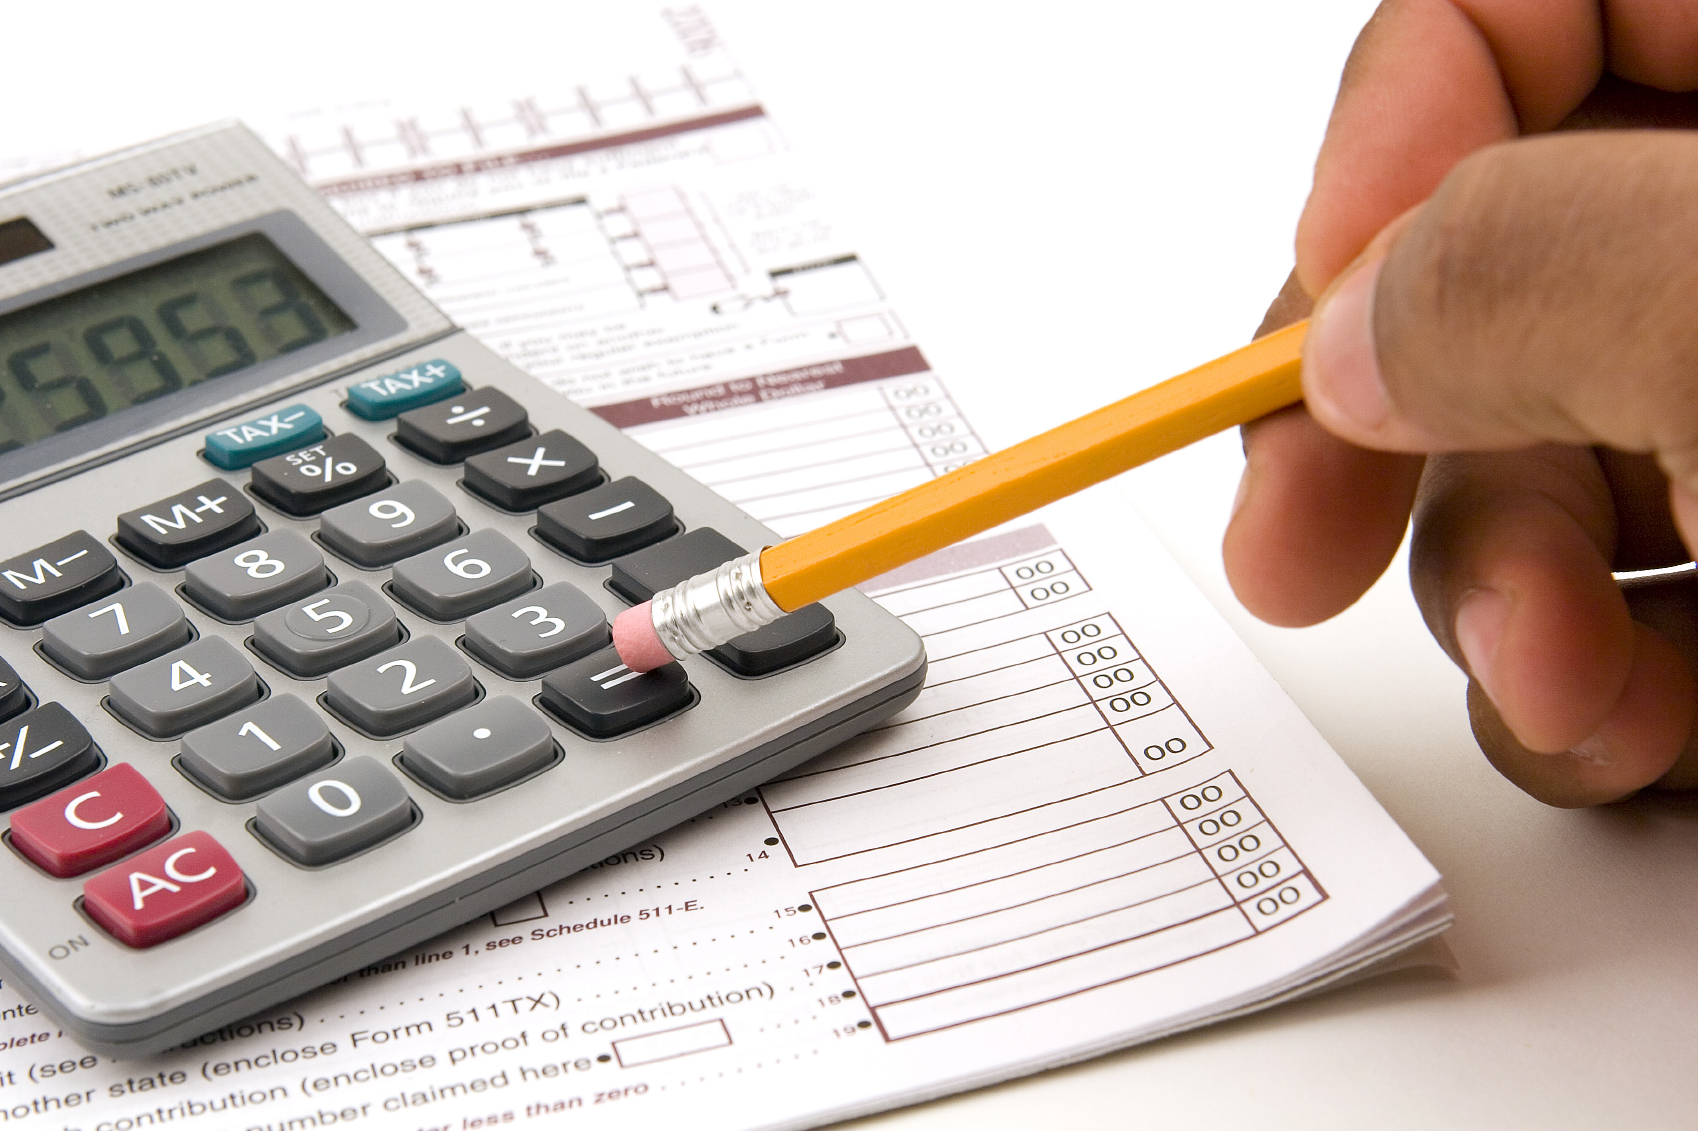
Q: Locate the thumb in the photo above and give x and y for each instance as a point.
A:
(1545, 293)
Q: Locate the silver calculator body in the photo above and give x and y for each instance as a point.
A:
(454, 847)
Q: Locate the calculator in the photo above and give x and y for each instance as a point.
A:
(304, 608)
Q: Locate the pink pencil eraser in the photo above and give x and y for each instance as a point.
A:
(637, 643)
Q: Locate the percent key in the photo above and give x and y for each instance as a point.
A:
(310, 480)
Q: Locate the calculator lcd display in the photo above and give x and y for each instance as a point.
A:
(82, 356)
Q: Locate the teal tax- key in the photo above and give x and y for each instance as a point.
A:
(379, 398)
(285, 430)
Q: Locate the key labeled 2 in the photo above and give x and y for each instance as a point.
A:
(402, 688)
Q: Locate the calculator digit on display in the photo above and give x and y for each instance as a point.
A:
(299, 582)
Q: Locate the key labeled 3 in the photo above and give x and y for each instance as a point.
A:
(538, 631)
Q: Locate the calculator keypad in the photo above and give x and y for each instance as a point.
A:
(247, 753)
(328, 817)
(390, 525)
(329, 629)
(402, 688)
(533, 471)
(167, 890)
(55, 578)
(537, 631)
(40, 751)
(452, 429)
(91, 823)
(105, 637)
(479, 750)
(319, 600)
(604, 522)
(240, 583)
(314, 479)
(789, 640)
(463, 576)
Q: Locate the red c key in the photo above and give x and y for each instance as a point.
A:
(92, 822)
(171, 888)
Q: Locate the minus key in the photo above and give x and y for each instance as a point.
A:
(607, 521)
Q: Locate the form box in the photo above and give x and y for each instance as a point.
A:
(704, 1036)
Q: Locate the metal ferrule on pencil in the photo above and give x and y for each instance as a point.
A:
(712, 608)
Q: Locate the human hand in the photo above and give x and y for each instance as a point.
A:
(1527, 309)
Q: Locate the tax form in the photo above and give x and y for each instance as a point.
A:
(1101, 822)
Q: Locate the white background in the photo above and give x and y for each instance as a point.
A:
(1066, 201)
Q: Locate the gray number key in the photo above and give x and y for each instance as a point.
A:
(333, 815)
(104, 638)
(466, 575)
(538, 631)
(244, 581)
(479, 750)
(183, 689)
(402, 688)
(385, 528)
(329, 629)
(252, 751)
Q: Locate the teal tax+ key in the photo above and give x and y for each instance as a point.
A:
(379, 398)
(239, 445)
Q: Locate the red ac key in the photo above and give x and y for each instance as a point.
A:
(171, 888)
(92, 822)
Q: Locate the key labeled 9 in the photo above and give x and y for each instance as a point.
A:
(397, 514)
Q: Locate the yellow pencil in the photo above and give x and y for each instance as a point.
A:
(742, 595)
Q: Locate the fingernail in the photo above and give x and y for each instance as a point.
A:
(1480, 620)
(1341, 371)
(1595, 751)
